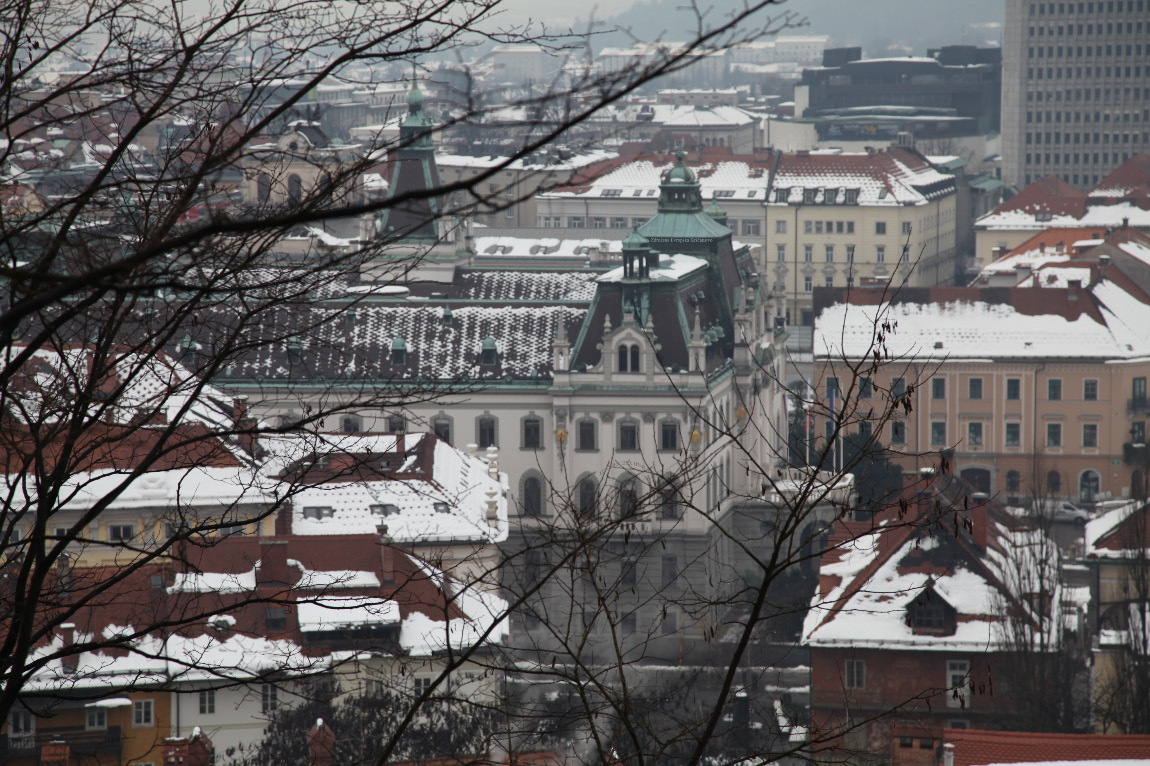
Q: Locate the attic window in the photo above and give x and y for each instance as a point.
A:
(830, 196)
(489, 355)
(852, 196)
(383, 509)
(441, 507)
(724, 193)
(613, 193)
(752, 193)
(1043, 216)
(782, 194)
(318, 513)
(637, 193)
(399, 351)
(928, 614)
(809, 196)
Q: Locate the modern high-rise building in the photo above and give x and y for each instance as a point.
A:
(1075, 89)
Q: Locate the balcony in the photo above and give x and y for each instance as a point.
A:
(81, 742)
(1137, 404)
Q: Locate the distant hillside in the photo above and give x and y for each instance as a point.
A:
(881, 27)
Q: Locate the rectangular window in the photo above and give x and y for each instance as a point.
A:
(897, 432)
(957, 679)
(830, 253)
(938, 433)
(780, 227)
(781, 253)
(974, 434)
(1013, 389)
(669, 435)
(975, 388)
(1053, 434)
(880, 254)
(586, 436)
(121, 533)
(575, 222)
(442, 428)
(808, 253)
(598, 222)
(275, 618)
(850, 253)
(1090, 390)
(938, 388)
(808, 283)
(854, 674)
(1054, 390)
(532, 433)
(486, 433)
(866, 388)
(628, 436)
(751, 228)
(897, 387)
(269, 698)
(618, 223)
(906, 228)
(142, 713)
(1138, 393)
(670, 570)
(1013, 434)
(880, 227)
(97, 718)
(1090, 435)
(808, 227)
(207, 701)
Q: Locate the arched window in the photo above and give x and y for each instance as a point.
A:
(635, 358)
(628, 497)
(1089, 484)
(295, 188)
(670, 500)
(327, 193)
(587, 499)
(490, 352)
(532, 497)
(1013, 481)
(263, 187)
(1053, 483)
(351, 425)
(622, 367)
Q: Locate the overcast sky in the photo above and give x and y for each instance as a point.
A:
(873, 24)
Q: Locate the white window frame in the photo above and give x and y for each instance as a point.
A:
(95, 719)
(854, 674)
(207, 701)
(958, 678)
(143, 714)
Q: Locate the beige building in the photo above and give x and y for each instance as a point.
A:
(1030, 391)
(835, 219)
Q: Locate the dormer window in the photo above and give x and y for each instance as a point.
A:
(809, 196)
(399, 351)
(318, 513)
(383, 509)
(931, 615)
(781, 195)
(830, 196)
(852, 196)
(489, 356)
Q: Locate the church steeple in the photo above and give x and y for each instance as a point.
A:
(414, 173)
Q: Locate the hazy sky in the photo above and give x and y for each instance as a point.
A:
(874, 24)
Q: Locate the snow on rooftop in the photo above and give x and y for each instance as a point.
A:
(875, 614)
(423, 635)
(1104, 216)
(641, 178)
(669, 268)
(449, 505)
(330, 614)
(972, 330)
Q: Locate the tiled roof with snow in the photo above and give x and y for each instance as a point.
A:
(890, 177)
(529, 285)
(743, 178)
(443, 340)
(1131, 179)
(669, 269)
(962, 323)
(450, 504)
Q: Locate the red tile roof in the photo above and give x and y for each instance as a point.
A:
(1130, 180)
(975, 747)
(1047, 195)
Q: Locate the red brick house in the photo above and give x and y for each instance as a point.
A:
(907, 621)
(916, 746)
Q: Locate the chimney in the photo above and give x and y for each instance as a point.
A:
(401, 446)
(320, 745)
(948, 754)
(978, 522)
(1104, 263)
(68, 640)
(273, 569)
(243, 424)
(386, 556)
(1073, 286)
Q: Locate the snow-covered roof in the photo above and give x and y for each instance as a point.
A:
(731, 180)
(532, 163)
(670, 268)
(966, 323)
(448, 504)
(891, 177)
